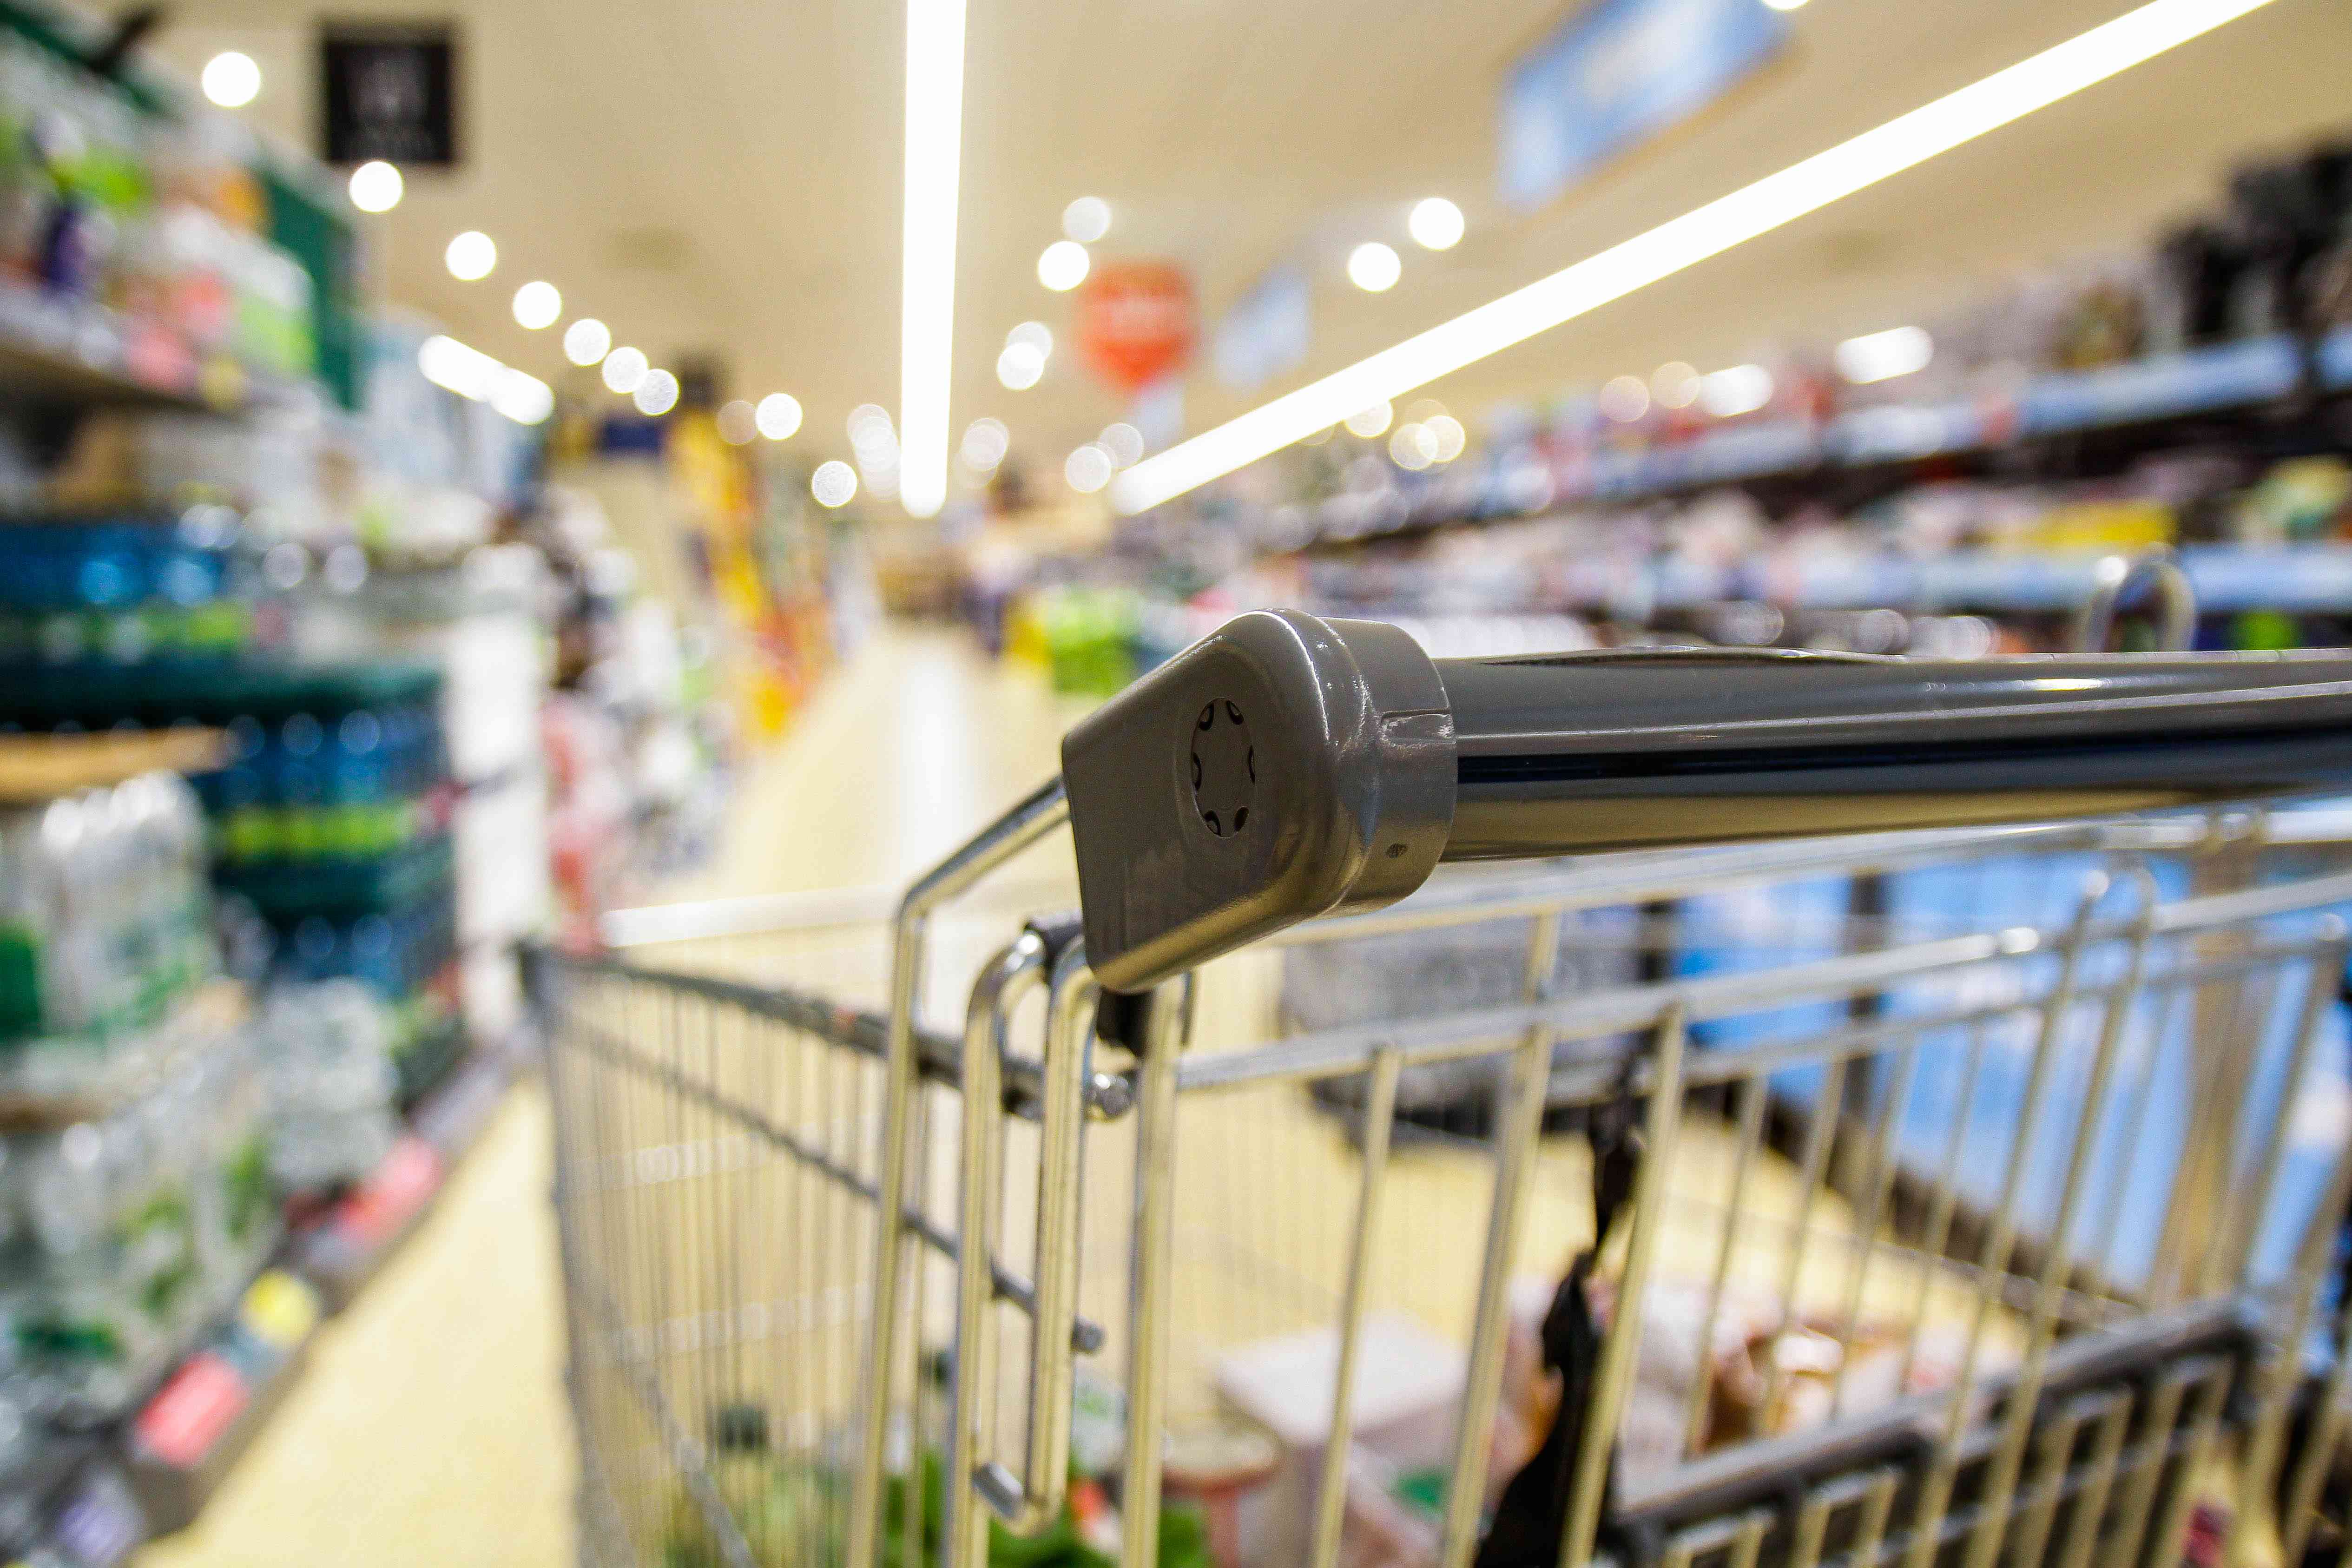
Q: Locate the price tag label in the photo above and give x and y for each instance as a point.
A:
(279, 1310)
(391, 1197)
(192, 1410)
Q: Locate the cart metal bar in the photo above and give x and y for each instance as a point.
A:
(1992, 1518)
(1379, 1119)
(1734, 1477)
(1019, 969)
(939, 1058)
(1324, 1053)
(2259, 1476)
(1031, 1501)
(1523, 1109)
(1624, 1338)
(1286, 768)
(1084, 1335)
(1023, 825)
(1151, 1271)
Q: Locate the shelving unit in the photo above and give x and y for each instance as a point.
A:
(2226, 379)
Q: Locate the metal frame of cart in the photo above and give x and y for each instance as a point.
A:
(2090, 1298)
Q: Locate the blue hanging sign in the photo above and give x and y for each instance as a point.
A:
(1265, 331)
(1614, 74)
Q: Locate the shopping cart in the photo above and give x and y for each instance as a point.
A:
(1960, 1182)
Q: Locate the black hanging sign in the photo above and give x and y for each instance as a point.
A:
(389, 92)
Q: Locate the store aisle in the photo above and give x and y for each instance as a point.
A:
(918, 739)
(431, 1425)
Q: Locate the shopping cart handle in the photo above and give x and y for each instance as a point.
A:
(1286, 767)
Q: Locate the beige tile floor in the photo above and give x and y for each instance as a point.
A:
(430, 1425)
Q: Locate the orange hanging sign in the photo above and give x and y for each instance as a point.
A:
(1135, 321)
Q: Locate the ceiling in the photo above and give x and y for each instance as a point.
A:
(720, 178)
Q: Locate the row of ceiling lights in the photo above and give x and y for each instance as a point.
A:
(233, 79)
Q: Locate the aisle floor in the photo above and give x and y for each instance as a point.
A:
(430, 1425)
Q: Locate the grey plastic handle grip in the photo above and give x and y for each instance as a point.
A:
(1286, 767)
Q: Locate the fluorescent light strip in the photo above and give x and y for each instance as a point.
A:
(469, 373)
(927, 319)
(1768, 204)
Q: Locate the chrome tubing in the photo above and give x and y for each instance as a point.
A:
(1017, 829)
(1001, 983)
(1286, 767)
(1030, 1502)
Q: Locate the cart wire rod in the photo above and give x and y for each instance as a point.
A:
(1028, 822)
(1086, 1336)
(940, 1059)
(683, 1451)
(1597, 1014)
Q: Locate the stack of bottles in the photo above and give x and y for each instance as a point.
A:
(124, 590)
(128, 1228)
(331, 821)
(105, 932)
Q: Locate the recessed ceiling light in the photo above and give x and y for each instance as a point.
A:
(1019, 367)
(471, 255)
(231, 79)
(833, 483)
(586, 340)
(1088, 219)
(1883, 356)
(376, 186)
(623, 369)
(1435, 224)
(1063, 265)
(537, 304)
(1088, 469)
(1374, 267)
(656, 393)
(779, 415)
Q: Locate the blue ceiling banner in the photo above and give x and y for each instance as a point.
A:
(1616, 73)
(1265, 331)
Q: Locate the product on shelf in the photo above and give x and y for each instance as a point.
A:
(124, 590)
(136, 1225)
(325, 1052)
(105, 929)
(111, 201)
(1952, 488)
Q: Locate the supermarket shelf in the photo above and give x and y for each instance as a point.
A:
(2314, 579)
(2224, 379)
(71, 1503)
(43, 767)
(69, 350)
(200, 1420)
(2169, 387)
(348, 1244)
(206, 1413)
(2335, 360)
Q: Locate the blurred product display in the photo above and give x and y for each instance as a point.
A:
(416, 699)
(525, 532)
(1948, 487)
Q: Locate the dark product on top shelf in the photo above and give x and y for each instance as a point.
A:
(73, 171)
